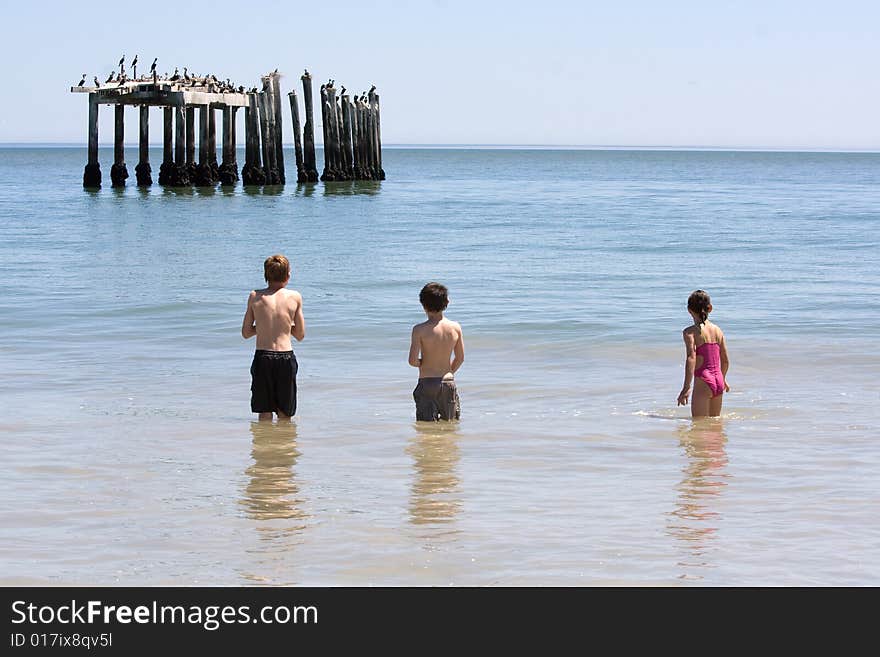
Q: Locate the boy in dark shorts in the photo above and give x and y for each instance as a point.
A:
(433, 343)
(274, 314)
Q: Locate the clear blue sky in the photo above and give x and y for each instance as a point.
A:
(751, 74)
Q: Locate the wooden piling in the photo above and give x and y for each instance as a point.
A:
(347, 156)
(179, 173)
(355, 156)
(212, 144)
(203, 177)
(365, 141)
(297, 143)
(335, 136)
(167, 148)
(191, 142)
(374, 98)
(268, 147)
(275, 87)
(92, 172)
(168, 135)
(118, 172)
(143, 171)
(310, 171)
(252, 173)
(327, 173)
(228, 168)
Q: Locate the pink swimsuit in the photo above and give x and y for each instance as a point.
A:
(710, 370)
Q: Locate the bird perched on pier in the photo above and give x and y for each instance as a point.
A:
(241, 89)
(176, 75)
(134, 63)
(110, 78)
(83, 81)
(275, 72)
(306, 74)
(185, 74)
(342, 90)
(97, 83)
(122, 63)
(122, 80)
(153, 65)
(372, 89)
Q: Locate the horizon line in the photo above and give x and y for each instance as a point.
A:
(501, 146)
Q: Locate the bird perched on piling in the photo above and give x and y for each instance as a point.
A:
(306, 74)
(341, 90)
(83, 81)
(372, 89)
(153, 65)
(176, 75)
(185, 74)
(110, 78)
(134, 63)
(97, 83)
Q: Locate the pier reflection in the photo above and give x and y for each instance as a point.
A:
(435, 495)
(353, 188)
(695, 520)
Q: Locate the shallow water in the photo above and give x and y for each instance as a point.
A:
(131, 456)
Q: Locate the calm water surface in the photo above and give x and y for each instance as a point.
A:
(131, 457)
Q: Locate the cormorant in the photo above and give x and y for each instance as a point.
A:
(372, 89)
(176, 75)
(83, 81)
(153, 65)
(122, 60)
(341, 90)
(134, 62)
(306, 74)
(122, 79)
(97, 83)
(112, 75)
(185, 74)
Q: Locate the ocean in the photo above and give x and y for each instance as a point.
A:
(131, 457)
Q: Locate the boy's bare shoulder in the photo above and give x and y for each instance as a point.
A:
(454, 325)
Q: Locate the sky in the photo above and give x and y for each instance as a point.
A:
(773, 74)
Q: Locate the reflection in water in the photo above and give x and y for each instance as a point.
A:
(435, 451)
(263, 190)
(694, 522)
(271, 492)
(352, 188)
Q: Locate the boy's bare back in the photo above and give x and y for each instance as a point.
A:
(273, 315)
(437, 340)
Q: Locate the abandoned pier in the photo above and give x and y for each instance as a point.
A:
(351, 132)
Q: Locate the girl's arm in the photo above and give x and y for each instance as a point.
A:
(725, 361)
(690, 362)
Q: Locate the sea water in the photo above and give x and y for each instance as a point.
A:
(130, 455)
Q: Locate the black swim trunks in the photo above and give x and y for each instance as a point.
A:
(273, 382)
(436, 399)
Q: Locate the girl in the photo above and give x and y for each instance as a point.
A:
(706, 360)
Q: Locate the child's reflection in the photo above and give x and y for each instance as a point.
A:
(436, 454)
(695, 519)
(271, 492)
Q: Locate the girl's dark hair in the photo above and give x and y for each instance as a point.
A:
(699, 303)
